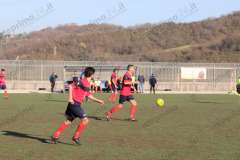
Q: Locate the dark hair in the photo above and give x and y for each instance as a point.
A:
(129, 66)
(115, 69)
(89, 71)
(75, 80)
(2, 69)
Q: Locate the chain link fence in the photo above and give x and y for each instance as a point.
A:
(220, 77)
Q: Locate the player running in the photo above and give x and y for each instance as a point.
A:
(125, 95)
(113, 96)
(77, 93)
(3, 83)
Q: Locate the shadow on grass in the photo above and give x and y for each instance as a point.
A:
(99, 118)
(29, 136)
(209, 102)
(55, 100)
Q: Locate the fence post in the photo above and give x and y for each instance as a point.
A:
(41, 70)
(214, 77)
(64, 76)
(19, 70)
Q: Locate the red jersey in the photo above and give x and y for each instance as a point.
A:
(79, 93)
(2, 78)
(114, 78)
(126, 89)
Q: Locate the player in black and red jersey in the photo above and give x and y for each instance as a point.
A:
(77, 93)
(113, 80)
(3, 83)
(125, 95)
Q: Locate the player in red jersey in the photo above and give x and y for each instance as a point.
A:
(125, 95)
(113, 96)
(3, 83)
(77, 93)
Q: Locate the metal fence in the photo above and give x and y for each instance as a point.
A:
(220, 77)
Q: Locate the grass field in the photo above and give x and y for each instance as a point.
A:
(191, 127)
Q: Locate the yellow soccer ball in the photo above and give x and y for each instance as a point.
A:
(160, 102)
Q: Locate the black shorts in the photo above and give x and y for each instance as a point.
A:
(3, 87)
(113, 87)
(238, 88)
(75, 111)
(123, 99)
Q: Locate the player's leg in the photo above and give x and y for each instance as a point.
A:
(113, 96)
(154, 89)
(69, 118)
(4, 88)
(60, 129)
(117, 107)
(82, 125)
(140, 87)
(79, 112)
(133, 108)
(52, 86)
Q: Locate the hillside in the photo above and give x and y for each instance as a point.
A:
(211, 40)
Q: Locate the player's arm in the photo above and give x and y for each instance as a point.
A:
(96, 100)
(70, 97)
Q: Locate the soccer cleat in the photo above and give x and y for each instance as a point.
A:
(54, 140)
(76, 141)
(108, 116)
(132, 119)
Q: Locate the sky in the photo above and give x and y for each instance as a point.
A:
(19, 16)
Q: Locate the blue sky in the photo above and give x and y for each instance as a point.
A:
(119, 12)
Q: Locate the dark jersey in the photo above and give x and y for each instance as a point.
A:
(126, 88)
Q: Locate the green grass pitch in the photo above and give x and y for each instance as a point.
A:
(191, 127)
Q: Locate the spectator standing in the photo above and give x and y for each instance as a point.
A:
(53, 77)
(141, 80)
(152, 82)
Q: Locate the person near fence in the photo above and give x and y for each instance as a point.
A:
(238, 85)
(52, 78)
(152, 83)
(3, 83)
(141, 80)
(135, 83)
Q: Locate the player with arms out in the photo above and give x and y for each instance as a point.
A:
(78, 90)
(113, 96)
(125, 95)
(3, 83)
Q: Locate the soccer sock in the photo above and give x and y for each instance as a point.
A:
(110, 98)
(62, 127)
(79, 130)
(114, 109)
(133, 110)
(5, 94)
(114, 96)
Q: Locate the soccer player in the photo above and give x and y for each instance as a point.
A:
(77, 93)
(152, 82)
(125, 95)
(3, 83)
(113, 96)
